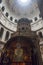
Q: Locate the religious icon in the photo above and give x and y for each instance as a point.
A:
(18, 52)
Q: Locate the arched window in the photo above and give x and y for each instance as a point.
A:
(40, 34)
(1, 32)
(7, 36)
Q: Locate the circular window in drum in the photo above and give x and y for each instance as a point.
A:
(7, 14)
(11, 18)
(3, 8)
(35, 18)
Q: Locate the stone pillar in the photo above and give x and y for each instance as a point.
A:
(3, 37)
(38, 53)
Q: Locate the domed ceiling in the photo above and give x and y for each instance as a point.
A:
(22, 8)
(13, 10)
